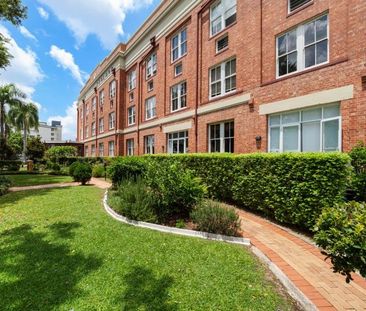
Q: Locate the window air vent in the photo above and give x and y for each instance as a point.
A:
(295, 4)
(222, 43)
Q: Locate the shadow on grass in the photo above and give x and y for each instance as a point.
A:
(37, 272)
(145, 291)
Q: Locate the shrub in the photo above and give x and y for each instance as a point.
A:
(358, 161)
(98, 170)
(10, 165)
(133, 200)
(5, 184)
(57, 152)
(82, 172)
(35, 149)
(341, 232)
(126, 168)
(213, 217)
(175, 189)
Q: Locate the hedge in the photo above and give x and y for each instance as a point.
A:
(10, 165)
(291, 188)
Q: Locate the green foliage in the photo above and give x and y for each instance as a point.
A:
(358, 161)
(126, 168)
(6, 151)
(81, 172)
(10, 165)
(213, 217)
(341, 232)
(5, 184)
(133, 200)
(13, 11)
(98, 170)
(175, 189)
(35, 149)
(57, 152)
(15, 141)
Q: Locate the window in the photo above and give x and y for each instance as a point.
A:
(296, 4)
(130, 147)
(93, 150)
(132, 80)
(178, 142)
(150, 86)
(151, 66)
(178, 69)
(223, 14)
(94, 103)
(112, 89)
(101, 150)
(223, 78)
(101, 98)
(131, 97)
(222, 44)
(221, 137)
(111, 148)
(179, 45)
(86, 131)
(87, 109)
(93, 129)
(303, 47)
(149, 143)
(150, 108)
(308, 130)
(112, 120)
(131, 115)
(86, 151)
(101, 125)
(179, 96)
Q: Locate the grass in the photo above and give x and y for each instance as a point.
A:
(23, 180)
(61, 251)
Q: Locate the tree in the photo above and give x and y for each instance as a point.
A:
(24, 117)
(15, 141)
(57, 152)
(35, 148)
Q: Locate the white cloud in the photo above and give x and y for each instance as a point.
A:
(103, 18)
(43, 13)
(66, 60)
(68, 122)
(26, 33)
(24, 69)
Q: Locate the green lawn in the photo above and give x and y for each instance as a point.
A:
(59, 250)
(23, 180)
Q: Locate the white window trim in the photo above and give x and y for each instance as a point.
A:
(101, 125)
(179, 85)
(300, 48)
(222, 135)
(130, 147)
(180, 45)
(171, 140)
(131, 116)
(223, 78)
(101, 148)
(112, 120)
(175, 70)
(112, 89)
(150, 66)
(101, 98)
(149, 142)
(289, 7)
(150, 101)
(222, 16)
(93, 129)
(132, 80)
(111, 143)
(217, 41)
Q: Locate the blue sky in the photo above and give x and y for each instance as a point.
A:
(60, 43)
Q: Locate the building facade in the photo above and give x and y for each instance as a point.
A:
(48, 133)
(232, 76)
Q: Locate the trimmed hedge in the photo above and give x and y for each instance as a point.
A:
(10, 165)
(5, 184)
(292, 188)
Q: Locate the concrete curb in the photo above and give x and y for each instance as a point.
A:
(184, 232)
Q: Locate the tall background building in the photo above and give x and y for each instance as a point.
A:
(48, 133)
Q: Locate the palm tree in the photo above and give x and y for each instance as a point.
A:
(24, 116)
(10, 96)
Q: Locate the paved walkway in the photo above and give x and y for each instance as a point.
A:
(304, 265)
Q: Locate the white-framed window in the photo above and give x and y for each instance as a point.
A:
(178, 69)
(222, 15)
(112, 120)
(93, 127)
(293, 5)
(179, 96)
(149, 144)
(87, 109)
(179, 45)
(151, 66)
(112, 89)
(221, 137)
(111, 148)
(223, 78)
(303, 47)
(178, 142)
(101, 125)
(81, 134)
(101, 150)
(86, 151)
(150, 86)
(94, 103)
(93, 150)
(150, 108)
(132, 80)
(101, 98)
(308, 130)
(86, 131)
(131, 113)
(131, 97)
(130, 147)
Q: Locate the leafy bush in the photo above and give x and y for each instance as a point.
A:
(57, 152)
(133, 200)
(5, 184)
(81, 172)
(341, 232)
(212, 217)
(98, 170)
(10, 165)
(175, 189)
(358, 161)
(6, 151)
(35, 149)
(126, 168)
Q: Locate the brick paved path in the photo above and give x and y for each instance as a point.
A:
(304, 265)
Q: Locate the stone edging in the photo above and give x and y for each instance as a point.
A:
(184, 232)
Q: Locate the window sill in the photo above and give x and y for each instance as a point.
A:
(222, 51)
(215, 36)
(153, 118)
(218, 98)
(178, 59)
(303, 7)
(178, 110)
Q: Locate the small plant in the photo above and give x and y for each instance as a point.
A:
(180, 224)
(133, 200)
(341, 232)
(81, 172)
(212, 217)
(5, 184)
(98, 170)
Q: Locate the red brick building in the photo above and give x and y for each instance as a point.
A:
(232, 76)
